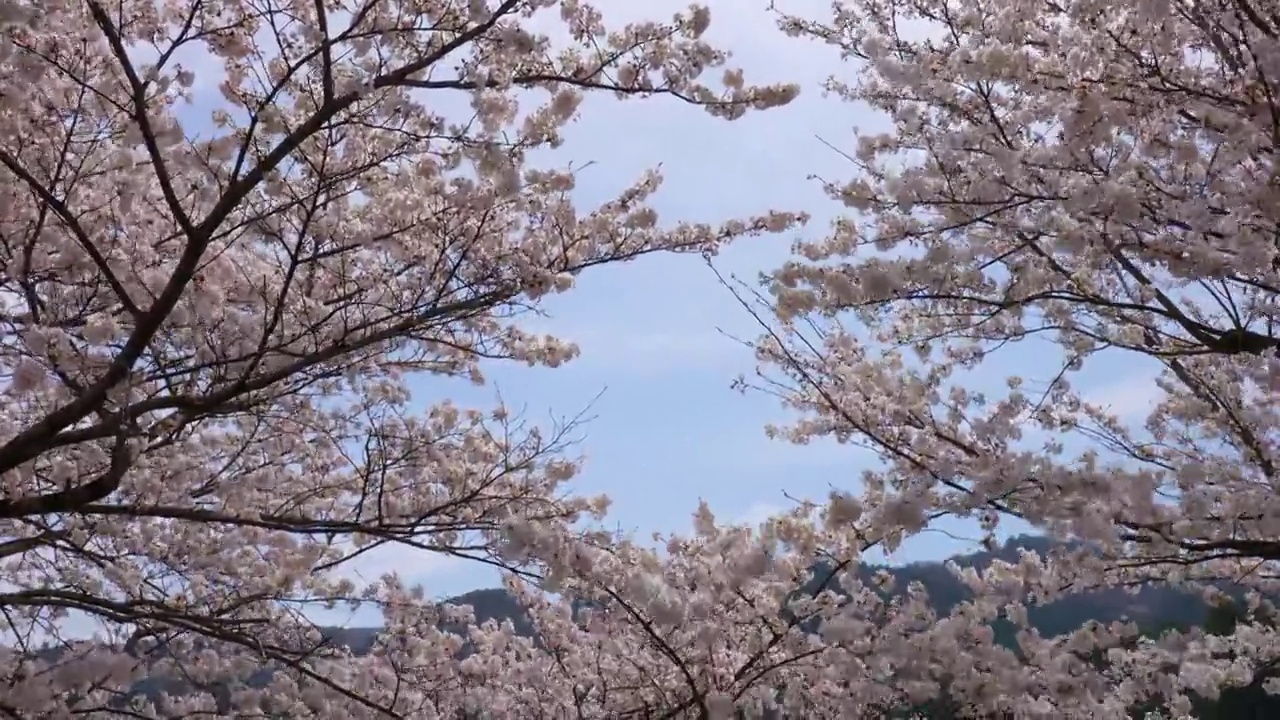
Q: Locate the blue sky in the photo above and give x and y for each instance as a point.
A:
(656, 365)
(667, 429)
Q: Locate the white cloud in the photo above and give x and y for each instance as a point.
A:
(1130, 399)
(657, 352)
(758, 512)
(410, 563)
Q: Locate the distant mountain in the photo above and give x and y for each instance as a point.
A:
(487, 604)
(1152, 608)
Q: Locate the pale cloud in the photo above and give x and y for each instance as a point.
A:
(753, 515)
(758, 512)
(1130, 398)
(650, 353)
(408, 562)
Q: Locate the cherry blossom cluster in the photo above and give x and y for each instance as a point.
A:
(1068, 194)
(230, 234)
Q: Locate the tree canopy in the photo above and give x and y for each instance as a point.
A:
(210, 326)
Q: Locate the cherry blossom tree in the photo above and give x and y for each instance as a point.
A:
(230, 233)
(1088, 185)
(233, 232)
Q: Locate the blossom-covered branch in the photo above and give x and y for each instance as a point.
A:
(231, 234)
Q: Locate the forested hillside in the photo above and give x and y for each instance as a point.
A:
(1154, 609)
